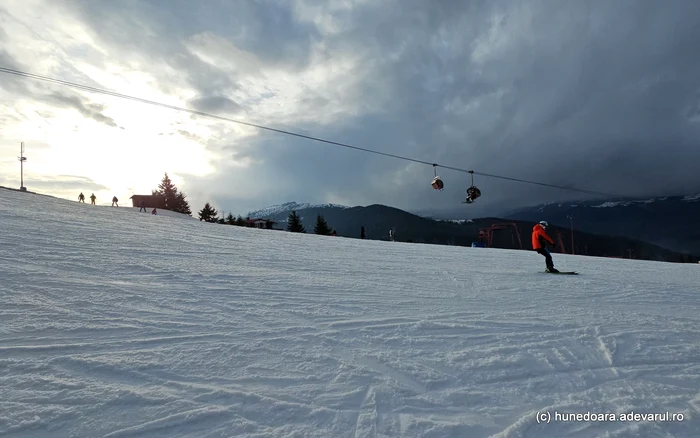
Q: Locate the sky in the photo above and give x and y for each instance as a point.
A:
(597, 95)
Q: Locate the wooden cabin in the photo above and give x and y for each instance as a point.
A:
(261, 223)
(148, 201)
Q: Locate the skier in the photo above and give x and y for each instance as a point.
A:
(154, 211)
(81, 198)
(391, 235)
(142, 207)
(92, 198)
(115, 201)
(540, 239)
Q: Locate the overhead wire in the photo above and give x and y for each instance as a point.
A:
(285, 132)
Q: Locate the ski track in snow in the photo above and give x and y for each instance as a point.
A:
(116, 323)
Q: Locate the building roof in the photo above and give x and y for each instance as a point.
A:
(261, 220)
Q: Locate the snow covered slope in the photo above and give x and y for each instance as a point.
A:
(115, 323)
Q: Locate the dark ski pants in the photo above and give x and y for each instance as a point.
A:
(547, 256)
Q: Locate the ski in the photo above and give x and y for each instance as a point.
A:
(561, 272)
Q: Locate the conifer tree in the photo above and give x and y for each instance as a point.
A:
(294, 223)
(230, 220)
(181, 205)
(240, 221)
(214, 214)
(205, 213)
(208, 214)
(321, 226)
(174, 200)
(166, 188)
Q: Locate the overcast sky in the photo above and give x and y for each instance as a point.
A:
(600, 95)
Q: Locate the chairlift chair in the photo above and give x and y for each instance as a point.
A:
(437, 182)
(473, 191)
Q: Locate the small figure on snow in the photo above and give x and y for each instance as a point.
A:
(142, 207)
(391, 235)
(92, 198)
(115, 201)
(81, 198)
(540, 239)
(333, 233)
(154, 211)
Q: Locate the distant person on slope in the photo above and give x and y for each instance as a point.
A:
(81, 198)
(115, 201)
(540, 239)
(92, 198)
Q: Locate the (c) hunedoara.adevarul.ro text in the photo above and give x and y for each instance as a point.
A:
(556, 416)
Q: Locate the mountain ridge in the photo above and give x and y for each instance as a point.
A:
(378, 219)
(672, 222)
(288, 207)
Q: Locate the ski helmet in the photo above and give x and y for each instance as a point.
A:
(544, 224)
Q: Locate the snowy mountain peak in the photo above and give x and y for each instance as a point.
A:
(614, 202)
(628, 203)
(288, 206)
(277, 208)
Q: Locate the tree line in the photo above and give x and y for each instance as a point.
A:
(176, 201)
(321, 227)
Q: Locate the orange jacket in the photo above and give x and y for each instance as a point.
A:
(539, 234)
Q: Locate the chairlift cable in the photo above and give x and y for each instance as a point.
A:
(281, 131)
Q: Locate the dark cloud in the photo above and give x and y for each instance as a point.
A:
(41, 91)
(595, 96)
(158, 34)
(599, 95)
(11, 83)
(89, 110)
(215, 104)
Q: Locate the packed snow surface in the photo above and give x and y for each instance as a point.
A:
(115, 323)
